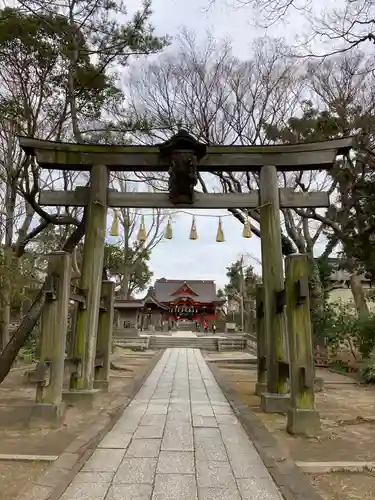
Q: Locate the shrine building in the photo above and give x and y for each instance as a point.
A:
(168, 302)
(195, 300)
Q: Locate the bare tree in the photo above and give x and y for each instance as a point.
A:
(340, 26)
(21, 179)
(51, 88)
(217, 98)
(222, 100)
(343, 96)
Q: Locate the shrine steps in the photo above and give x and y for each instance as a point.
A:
(231, 344)
(186, 326)
(209, 343)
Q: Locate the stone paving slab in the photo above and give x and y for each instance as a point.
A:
(91, 477)
(213, 474)
(218, 494)
(175, 487)
(177, 440)
(116, 439)
(176, 462)
(210, 449)
(144, 448)
(199, 421)
(104, 461)
(178, 436)
(129, 492)
(85, 491)
(136, 471)
(150, 431)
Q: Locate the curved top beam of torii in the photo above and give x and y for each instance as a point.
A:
(286, 157)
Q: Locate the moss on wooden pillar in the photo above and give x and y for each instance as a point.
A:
(54, 325)
(302, 418)
(86, 324)
(104, 338)
(273, 281)
(261, 385)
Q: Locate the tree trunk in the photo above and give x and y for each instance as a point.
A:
(5, 293)
(126, 271)
(19, 337)
(125, 283)
(316, 288)
(5, 289)
(317, 299)
(358, 294)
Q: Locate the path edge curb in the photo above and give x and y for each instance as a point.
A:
(51, 484)
(291, 481)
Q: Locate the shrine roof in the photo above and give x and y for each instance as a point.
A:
(151, 298)
(128, 303)
(198, 290)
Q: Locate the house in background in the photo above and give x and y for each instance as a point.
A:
(340, 283)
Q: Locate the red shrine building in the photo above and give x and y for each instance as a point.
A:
(175, 300)
(193, 299)
(168, 302)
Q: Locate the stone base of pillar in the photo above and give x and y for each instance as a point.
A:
(318, 384)
(102, 385)
(54, 414)
(83, 398)
(32, 415)
(274, 403)
(260, 388)
(303, 422)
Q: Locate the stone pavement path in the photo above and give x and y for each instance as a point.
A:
(177, 440)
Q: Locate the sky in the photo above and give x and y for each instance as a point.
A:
(181, 258)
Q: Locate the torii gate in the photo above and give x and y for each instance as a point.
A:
(183, 156)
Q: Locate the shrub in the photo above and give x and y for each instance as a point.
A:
(322, 323)
(368, 374)
(365, 333)
(342, 325)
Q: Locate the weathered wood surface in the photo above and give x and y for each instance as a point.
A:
(310, 156)
(86, 321)
(104, 337)
(302, 418)
(42, 372)
(78, 295)
(261, 343)
(237, 162)
(288, 199)
(54, 325)
(273, 279)
(301, 369)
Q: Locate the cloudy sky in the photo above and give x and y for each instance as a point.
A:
(205, 258)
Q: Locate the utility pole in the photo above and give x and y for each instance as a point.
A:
(242, 294)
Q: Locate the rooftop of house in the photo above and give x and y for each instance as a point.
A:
(341, 274)
(121, 303)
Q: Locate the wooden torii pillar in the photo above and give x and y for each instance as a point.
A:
(276, 398)
(263, 160)
(87, 318)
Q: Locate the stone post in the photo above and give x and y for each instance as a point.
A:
(54, 324)
(302, 418)
(91, 278)
(276, 399)
(261, 385)
(104, 337)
